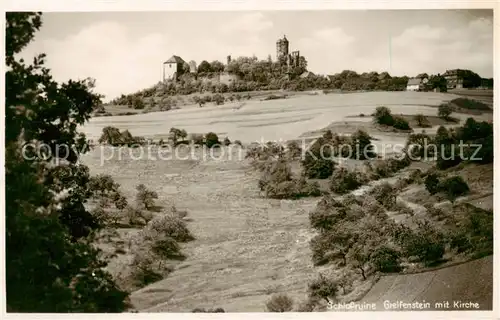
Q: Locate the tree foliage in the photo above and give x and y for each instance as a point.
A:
(50, 267)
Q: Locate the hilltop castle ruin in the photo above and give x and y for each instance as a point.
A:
(282, 53)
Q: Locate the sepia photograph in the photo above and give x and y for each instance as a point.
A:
(249, 161)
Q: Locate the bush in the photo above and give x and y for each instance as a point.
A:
(422, 121)
(226, 141)
(454, 187)
(211, 140)
(386, 259)
(418, 147)
(400, 123)
(383, 116)
(361, 144)
(167, 248)
(136, 217)
(218, 99)
(385, 194)
(343, 180)
(470, 104)
(168, 225)
(318, 168)
(294, 151)
(432, 183)
(279, 303)
(444, 111)
(145, 196)
(323, 288)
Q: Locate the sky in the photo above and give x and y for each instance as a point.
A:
(124, 51)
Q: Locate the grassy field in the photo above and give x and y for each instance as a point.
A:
(247, 247)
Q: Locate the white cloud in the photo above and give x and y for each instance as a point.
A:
(433, 50)
(326, 49)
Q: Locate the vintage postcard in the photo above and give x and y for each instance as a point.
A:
(249, 161)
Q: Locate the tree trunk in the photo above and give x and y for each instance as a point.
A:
(362, 273)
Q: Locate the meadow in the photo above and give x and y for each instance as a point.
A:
(246, 247)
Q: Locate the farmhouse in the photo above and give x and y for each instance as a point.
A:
(416, 84)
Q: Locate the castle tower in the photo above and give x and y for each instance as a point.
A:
(281, 48)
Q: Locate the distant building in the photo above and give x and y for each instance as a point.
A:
(454, 79)
(192, 66)
(283, 55)
(307, 74)
(173, 68)
(416, 84)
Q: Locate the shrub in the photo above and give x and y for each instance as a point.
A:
(211, 140)
(444, 111)
(169, 225)
(422, 121)
(218, 99)
(343, 180)
(400, 123)
(361, 144)
(470, 104)
(145, 196)
(432, 183)
(385, 194)
(323, 288)
(386, 259)
(418, 147)
(383, 116)
(317, 163)
(454, 187)
(294, 151)
(167, 248)
(279, 303)
(135, 216)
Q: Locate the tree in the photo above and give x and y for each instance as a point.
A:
(211, 140)
(50, 265)
(145, 196)
(362, 145)
(383, 116)
(422, 121)
(432, 183)
(444, 111)
(204, 67)
(176, 134)
(279, 303)
(217, 66)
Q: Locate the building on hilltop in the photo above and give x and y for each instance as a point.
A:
(192, 66)
(454, 78)
(282, 53)
(173, 68)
